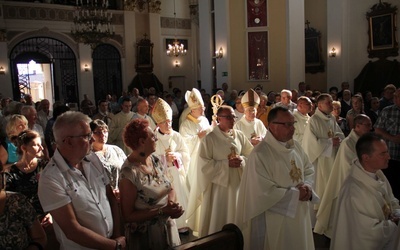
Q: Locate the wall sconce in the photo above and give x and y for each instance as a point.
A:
(86, 68)
(177, 64)
(219, 53)
(2, 70)
(332, 53)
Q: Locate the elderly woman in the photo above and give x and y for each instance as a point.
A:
(15, 125)
(111, 156)
(19, 226)
(148, 201)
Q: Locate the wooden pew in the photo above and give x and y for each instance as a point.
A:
(229, 238)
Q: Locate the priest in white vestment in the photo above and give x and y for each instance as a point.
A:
(193, 129)
(172, 150)
(341, 168)
(321, 141)
(276, 190)
(252, 127)
(301, 117)
(222, 158)
(367, 213)
(118, 123)
(142, 112)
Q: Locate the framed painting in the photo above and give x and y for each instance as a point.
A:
(144, 56)
(314, 62)
(382, 31)
(257, 52)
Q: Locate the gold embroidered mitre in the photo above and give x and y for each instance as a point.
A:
(250, 99)
(161, 111)
(194, 99)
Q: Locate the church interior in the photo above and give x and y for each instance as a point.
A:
(275, 44)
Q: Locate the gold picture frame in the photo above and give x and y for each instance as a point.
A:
(382, 31)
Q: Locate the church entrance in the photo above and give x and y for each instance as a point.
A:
(44, 68)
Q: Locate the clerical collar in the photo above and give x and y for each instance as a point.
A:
(372, 175)
(229, 133)
(327, 115)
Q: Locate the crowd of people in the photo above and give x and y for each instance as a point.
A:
(140, 171)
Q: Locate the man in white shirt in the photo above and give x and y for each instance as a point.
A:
(75, 189)
(286, 100)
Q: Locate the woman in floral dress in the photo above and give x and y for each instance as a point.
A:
(148, 201)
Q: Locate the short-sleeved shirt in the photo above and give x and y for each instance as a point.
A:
(389, 120)
(15, 222)
(61, 184)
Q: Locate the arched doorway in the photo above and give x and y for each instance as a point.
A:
(106, 71)
(59, 69)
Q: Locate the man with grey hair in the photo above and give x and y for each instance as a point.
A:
(286, 100)
(75, 189)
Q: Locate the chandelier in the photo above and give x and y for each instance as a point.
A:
(92, 22)
(176, 49)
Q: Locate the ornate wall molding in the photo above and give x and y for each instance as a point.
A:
(181, 23)
(47, 14)
(152, 6)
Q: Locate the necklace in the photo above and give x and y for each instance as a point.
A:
(26, 166)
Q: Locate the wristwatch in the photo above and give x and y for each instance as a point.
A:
(118, 245)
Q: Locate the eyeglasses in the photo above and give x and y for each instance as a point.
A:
(286, 124)
(228, 116)
(100, 132)
(86, 137)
